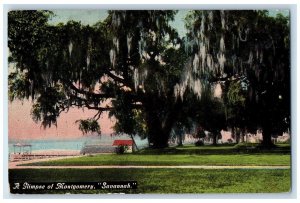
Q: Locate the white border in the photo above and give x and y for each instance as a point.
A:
(156, 4)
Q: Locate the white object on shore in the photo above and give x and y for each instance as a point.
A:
(43, 154)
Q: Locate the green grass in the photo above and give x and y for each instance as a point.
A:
(165, 180)
(241, 148)
(174, 180)
(175, 159)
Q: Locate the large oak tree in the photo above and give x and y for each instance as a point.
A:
(134, 65)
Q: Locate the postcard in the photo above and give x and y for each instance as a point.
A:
(149, 101)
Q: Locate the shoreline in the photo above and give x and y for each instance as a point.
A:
(49, 152)
(41, 155)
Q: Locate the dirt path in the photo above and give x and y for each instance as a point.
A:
(117, 166)
(16, 165)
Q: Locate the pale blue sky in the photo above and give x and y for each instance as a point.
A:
(92, 16)
(85, 16)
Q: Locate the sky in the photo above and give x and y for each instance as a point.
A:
(85, 16)
(21, 126)
(90, 17)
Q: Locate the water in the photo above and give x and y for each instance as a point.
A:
(38, 145)
(72, 144)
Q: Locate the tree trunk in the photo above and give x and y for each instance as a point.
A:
(161, 141)
(158, 137)
(134, 146)
(160, 124)
(180, 138)
(243, 136)
(267, 142)
(215, 138)
(237, 135)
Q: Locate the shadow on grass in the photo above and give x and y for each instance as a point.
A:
(242, 148)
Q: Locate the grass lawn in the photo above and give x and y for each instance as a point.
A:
(171, 159)
(165, 180)
(241, 148)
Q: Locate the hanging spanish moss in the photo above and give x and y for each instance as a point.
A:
(223, 44)
(138, 62)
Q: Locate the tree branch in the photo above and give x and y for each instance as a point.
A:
(89, 94)
(114, 77)
(87, 105)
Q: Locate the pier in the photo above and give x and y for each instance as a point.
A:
(25, 157)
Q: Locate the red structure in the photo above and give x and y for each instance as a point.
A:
(131, 146)
(123, 143)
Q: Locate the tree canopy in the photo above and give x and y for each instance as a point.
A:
(135, 66)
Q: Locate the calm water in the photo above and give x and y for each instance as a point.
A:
(72, 144)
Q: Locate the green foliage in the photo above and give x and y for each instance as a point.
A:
(24, 43)
(54, 65)
(89, 126)
(48, 105)
(130, 64)
(27, 35)
(245, 44)
(235, 103)
(96, 65)
(211, 115)
(18, 86)
(235, 95)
